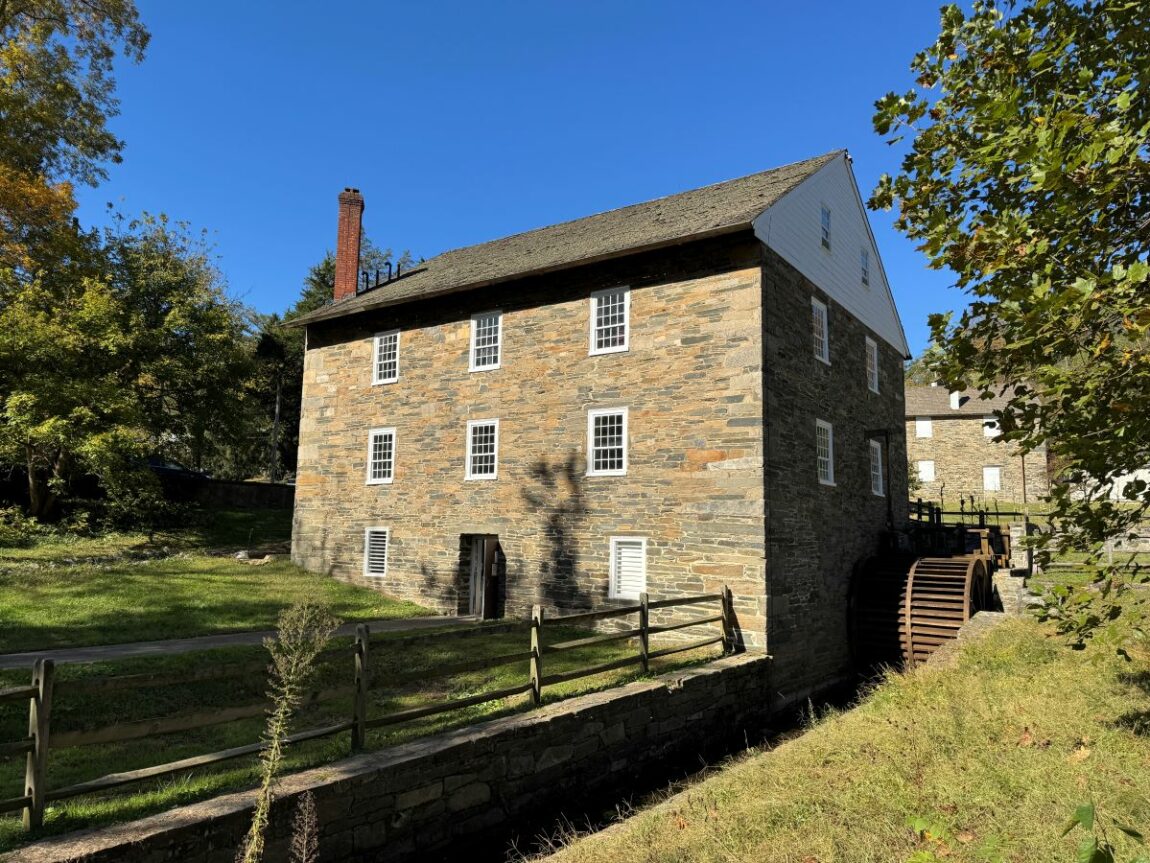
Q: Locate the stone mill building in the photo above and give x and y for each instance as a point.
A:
(696, 391)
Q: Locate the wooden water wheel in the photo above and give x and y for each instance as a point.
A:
(904, 608)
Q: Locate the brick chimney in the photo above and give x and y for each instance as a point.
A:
(347, 243)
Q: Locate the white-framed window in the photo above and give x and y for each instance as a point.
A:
(380, 456)
(864, 267)
(990, 427)
(992, 477)
(628, 567)
(486, 341)
(375, 544)
(610, 321)
(871, 364)
(607, 442)
(825, 227)
(923, 427)
(825, 452)
(820, 330)
(925, 470)
(876, 474)
(955, 401)
(385, 358)
(482, 449)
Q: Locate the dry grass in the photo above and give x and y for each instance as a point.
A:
(994, 753)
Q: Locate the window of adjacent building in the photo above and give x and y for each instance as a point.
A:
(825, 236)
(871, 364)
(864, 268)
(385, 358)
(923, 427)
(628, 567)
(375, 543)
(825, 452)
(876, 475)
(380, 455)
(820, 330)
(925, 471)
(486, 336)
(607, 442)
(610, 320)
(990, 427)
(992, 478)
(482, 449)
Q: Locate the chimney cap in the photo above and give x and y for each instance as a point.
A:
(350, 194)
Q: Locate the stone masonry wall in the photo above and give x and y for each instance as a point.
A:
(692, 381)
(960, 450)
(480, 784)
(818, 533)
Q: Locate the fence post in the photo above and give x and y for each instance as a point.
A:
(728, 603)
(39, 716)
(359, 718)
(536, 654)
(644, 635)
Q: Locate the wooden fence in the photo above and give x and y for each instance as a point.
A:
(40, 692)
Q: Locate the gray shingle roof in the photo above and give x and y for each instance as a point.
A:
(697, 214)
(927, 401)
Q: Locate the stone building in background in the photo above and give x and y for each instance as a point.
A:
(955, 451)
(697, 391)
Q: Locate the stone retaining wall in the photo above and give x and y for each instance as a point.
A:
(484, 784)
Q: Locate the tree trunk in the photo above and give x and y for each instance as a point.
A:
(41, 500)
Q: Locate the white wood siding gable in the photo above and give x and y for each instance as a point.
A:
(793, 228)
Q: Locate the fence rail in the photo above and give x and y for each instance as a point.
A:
(40, 693)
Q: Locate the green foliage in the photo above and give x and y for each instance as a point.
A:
(1026, 176)
(1094, 847)
(17, 530)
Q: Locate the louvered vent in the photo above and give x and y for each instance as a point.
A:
(629, 568)
(375, 551)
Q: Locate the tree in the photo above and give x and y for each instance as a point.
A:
(1028, 175)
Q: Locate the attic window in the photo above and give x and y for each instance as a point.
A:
(864, 268)
(826, 228)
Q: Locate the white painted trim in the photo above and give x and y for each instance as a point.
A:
(919, 467)
(371, 433)
(997, 468)
(876, 455)
(826, 355)
(471, 424)
(872, 350)
(471, 367)
(375, 345)
(592, 351)
(830, 429)
(991, 427)
(612, 592)
(923, 427)
(591, 414)
(367, 532)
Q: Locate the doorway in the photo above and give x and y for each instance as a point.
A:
(487, 564)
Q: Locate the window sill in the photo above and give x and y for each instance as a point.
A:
(380, 481)
(483, 368)
(606, 473)
(481, 478)
(823, 360)
(382, 383)
(828, 482)
(598, 352)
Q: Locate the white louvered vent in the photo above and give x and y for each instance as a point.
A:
(375, 543)
(628, 567)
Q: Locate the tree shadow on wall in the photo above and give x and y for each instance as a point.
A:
(555, 492)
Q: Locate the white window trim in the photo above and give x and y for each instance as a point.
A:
(375, 345)
(991, 427)
(876, 457)
(367, 532)
(872, 351)
(826, 243)
(933, 472)
(612, 593)
(471, 367)
(822, 424)
(618, 349)
(467, 473)
(864, 267)
(995, 467)
(598, 412)
(370, 446)
(826, 355)
(923, 427)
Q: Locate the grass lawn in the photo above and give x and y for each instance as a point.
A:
(392, 656)
(994, 753)
(64, 591)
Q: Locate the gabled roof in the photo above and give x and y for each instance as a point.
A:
(928, 401)
(694, 215)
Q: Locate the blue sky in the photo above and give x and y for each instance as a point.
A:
(464, 121)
